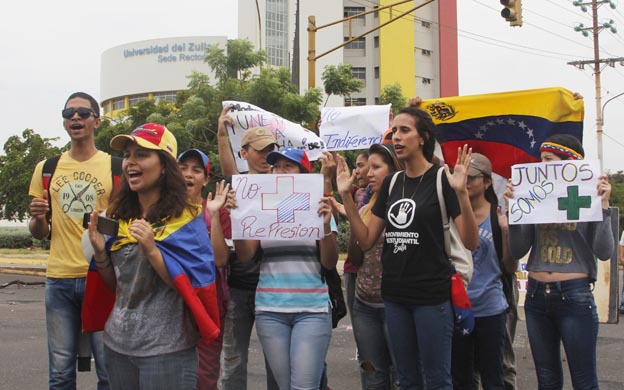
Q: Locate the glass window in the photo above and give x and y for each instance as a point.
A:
(351, 11)
(169, 96)
(134, 100)
(354, 102)
(277, 32)
(376, 72)
(376, 41)
(359, 43)
(119, 104)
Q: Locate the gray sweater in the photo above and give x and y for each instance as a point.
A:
(563, 247)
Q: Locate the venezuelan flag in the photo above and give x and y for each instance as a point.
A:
(188, 256)
(507, 127)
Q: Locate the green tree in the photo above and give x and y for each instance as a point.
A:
(339, 80)
(236, 61)
(393, 94)
(16, 168)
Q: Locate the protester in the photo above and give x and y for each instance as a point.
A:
(416, 272)
(151, 334)
(82, 182)
(368, 317)
(256, 143)
(482, 350)
(294, 327)
(195, 168)
(559, 305)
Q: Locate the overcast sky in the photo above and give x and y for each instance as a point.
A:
(50, 49)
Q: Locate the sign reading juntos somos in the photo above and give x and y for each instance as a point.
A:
(555, 192)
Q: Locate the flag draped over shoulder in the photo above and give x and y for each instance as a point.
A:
(507, 127)
(189, 259)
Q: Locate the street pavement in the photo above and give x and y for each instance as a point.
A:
(23, 350)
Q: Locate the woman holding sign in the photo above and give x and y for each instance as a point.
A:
(562, 267)
(293, 318)
(415, 284)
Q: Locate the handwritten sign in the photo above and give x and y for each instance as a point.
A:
(555, 192)
(351, 128)
(277, 207)
(286, 133)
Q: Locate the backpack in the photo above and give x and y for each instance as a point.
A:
(49, 166)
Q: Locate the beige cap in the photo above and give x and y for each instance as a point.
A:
(258, 138)
(479, 164)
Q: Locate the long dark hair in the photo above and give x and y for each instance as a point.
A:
(425, 128)
(173, 196)
(387, 155)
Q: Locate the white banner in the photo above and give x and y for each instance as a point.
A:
(277, 207)
(287, 134)
(352, 128)
(555, 192)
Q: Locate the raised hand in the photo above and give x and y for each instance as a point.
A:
(98, 241)
(142, 231)
(508, 194)
(328, 165)
(224, 119)
(213, 205)
(325, 209)
(604, 190)
(458, 178)
(344, 177)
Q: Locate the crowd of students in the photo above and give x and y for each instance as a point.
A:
(397, 283)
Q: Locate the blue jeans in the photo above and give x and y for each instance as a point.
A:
(239, 321)
(63, 304)
(562, 312)
(421, 341)
(176, 370)
(372, 340)
(295, 344)
(481, 351)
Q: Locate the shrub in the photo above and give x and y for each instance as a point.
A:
(16, 240)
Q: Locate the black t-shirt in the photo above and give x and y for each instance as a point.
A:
(415, 269)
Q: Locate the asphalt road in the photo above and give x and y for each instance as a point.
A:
(23, 350)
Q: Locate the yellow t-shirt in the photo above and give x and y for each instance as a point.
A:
(75, 188)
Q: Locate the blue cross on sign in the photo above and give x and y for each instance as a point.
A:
(574, 203)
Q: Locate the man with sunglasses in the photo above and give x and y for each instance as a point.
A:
(81, 181)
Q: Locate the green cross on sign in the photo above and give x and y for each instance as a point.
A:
(574, 203)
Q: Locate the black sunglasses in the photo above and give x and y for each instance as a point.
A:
(83, 112)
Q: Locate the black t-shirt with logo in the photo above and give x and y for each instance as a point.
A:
(415, 269)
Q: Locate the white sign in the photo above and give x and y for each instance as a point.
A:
(555, 192)
(352, 128)
(277, 207)
(287, 134)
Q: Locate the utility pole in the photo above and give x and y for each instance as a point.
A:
(597, 61)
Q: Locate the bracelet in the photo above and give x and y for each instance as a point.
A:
(328, 234)
(327, 194)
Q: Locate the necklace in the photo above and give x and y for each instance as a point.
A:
(417, 185)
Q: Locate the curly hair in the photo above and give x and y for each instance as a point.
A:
(425, 127)
(173, 196)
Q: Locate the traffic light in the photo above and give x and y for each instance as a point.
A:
(512, 12)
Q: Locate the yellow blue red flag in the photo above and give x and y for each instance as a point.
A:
(507, 127)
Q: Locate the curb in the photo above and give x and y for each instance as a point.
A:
(28, 271)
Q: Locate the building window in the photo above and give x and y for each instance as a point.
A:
(354, 102)
(426, 52)
(351, 11)
(169, 96)
(359, 73)
(425, 24)
(426, 80)
(376, 100)
(134, 100)
(119, 104)
(277, 32)
(376, 41)
(359, 43)
(376, 72)
(376, 13)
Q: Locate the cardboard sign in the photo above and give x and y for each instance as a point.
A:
(286, 133)
(555, 192)
(352, 128)
(277, 207)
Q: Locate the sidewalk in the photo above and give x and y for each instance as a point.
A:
(32, 265)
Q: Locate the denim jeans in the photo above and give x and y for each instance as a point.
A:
(349, 286)
(63, 304)
(239, 321)
(562, 312)
(176, 370)
(295, 344)
(372, 340)
(481, 351)
(421, 338)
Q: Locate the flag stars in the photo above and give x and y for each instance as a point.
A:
(533, 143)
(490, 123)
(530, 133)
(522, 125)
(500, 121)
(483, 128)
(511, 121)
(479, 135)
